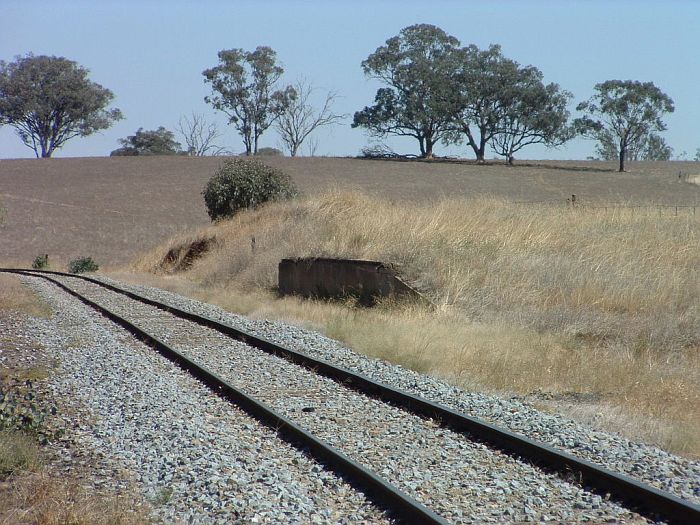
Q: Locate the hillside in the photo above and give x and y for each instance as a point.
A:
(115, 208)
(589, 306)
(592, 311)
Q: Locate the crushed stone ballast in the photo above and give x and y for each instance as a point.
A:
(458, 434)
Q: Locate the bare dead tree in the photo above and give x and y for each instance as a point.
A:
(199, 135)
(312, 146)
(300, 118)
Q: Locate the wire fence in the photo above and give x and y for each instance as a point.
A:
(576, 203)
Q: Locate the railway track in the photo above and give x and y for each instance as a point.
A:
(110, 301)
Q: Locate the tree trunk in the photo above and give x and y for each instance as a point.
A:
(247, 142)
(623, 152)
(428, 149)
(472, 143)
(480, 158)
(421, 142)
(45, 149)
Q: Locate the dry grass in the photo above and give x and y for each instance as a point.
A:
(114, 208)
(593, 303)
(529, 296)
(18, 452)
(31, 493)
(40, 498)
(14, 297)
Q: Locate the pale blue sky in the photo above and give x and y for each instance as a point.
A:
(151, 54)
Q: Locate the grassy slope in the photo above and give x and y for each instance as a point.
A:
(530, 295)
(598, 305)
(115, 208)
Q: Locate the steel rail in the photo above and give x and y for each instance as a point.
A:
(386, 496)
(635, 495)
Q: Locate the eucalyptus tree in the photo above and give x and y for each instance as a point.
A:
(148, 142)
(481, 81)
(654, 147)
(244, 87)
(532, 113)
(504, 105)
(626, 112)
(50, 100)
(417, 100)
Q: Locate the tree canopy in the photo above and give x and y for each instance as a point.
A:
(438, 91)
(50, 100)
(624, 112)
(654, 147)
(244, 88)
(416, 66)
(481, 84)
(148, 142)
(532, 113)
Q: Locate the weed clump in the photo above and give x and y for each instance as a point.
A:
(82, 265)
(41, 262)
(23, 410)
(241, 184)
(18, 452)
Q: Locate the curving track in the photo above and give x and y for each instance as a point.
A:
(642, 498)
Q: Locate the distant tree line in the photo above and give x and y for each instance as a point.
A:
(434, 90)
(437, 91)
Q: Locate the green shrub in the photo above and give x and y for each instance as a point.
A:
(241, 184)
(41, 261)
(269, 152)
(19, 407)
(82, 265)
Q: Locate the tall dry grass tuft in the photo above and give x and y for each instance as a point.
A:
(17, 298)
(531, 299)
(41, 498)
(18, 452)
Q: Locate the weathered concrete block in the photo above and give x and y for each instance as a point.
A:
(319, 277)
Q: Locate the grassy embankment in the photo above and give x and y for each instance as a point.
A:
(29, 491)
(598, 307)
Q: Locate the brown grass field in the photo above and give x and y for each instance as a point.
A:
(593, 311)
(115, 208)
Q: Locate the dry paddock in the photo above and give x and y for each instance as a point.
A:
(115, 208)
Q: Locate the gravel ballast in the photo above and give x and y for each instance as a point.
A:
(196, 458)
(462, 480)
(454, 476)
(646, 463)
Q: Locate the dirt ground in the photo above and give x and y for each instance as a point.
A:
(115, 208)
